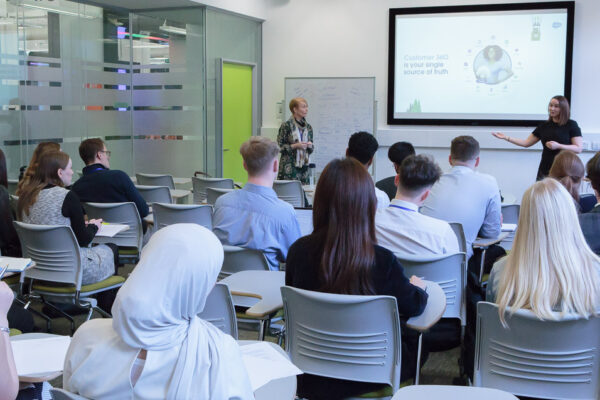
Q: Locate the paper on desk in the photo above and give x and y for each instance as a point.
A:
(15, 264)
(265, 364)
(110, 230)
(40, 356)
(509, 227)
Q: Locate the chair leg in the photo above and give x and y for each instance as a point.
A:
(61, 312)
(102, 312)
(418, 372)
(261, 329)
(36, 312)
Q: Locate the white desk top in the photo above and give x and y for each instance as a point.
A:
(177, 181)
(487, 242)
(436, 305)
(179, 193)
(264, 285)
(35, 378)
(418, 392)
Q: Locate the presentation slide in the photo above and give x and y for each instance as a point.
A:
(497, 65)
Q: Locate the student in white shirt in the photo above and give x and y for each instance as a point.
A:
(400, 227)
(362, 146)
(465, 196)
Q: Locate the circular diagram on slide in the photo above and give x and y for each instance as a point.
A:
(492, 65)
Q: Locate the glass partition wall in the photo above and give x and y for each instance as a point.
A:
(71, 71)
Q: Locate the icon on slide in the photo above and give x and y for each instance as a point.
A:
(492, 65)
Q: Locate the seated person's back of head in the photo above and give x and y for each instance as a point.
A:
(254, 217)
(590, 221)
(550, 267)
(396, 154)
(400, 227)
(465, 196)
(363, 146)
(156, 346)
(40, 149)
(568, 169)
(341, 256)
(100, 184)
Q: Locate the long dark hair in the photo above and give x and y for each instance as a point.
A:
(45, 174)
(3, 176)
(344, 212)
(565, 110)
(33, 163)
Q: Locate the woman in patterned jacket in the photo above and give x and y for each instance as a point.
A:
(295, 142)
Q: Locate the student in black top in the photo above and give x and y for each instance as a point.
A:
(342, 256)
(99, 184)
(9, 241)
(397, 153)
(558, 133)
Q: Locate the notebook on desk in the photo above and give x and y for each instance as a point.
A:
(110, 230)
(304, 216)
(15, 264)
(40, 355)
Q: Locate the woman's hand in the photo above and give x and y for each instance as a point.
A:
(301, 145)
(309, 145)
(552, 145)
(97, 222)
(418, 282)
(499, 135)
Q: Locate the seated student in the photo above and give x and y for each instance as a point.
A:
(254, 217)
(397, 153)
(590, 221)
(550, 267)
(342, 256)
(9, 381)
(568, 169)
(26, 172)
(363, 146)
(45, 201)
(465, 196)
(400, 227)
(156, 346)
(99, 184)
(9, 241)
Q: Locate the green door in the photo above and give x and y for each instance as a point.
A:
(237, 118)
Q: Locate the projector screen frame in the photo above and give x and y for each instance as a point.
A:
(569, 6)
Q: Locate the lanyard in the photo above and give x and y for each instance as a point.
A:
(402, 208)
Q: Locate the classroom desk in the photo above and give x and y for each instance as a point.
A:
(179, 195)
(36, 378)
(177, 181)
(248, 286)
(484, 244)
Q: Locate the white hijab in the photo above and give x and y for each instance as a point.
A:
(156, 309)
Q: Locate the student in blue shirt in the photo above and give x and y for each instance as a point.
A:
(254, 217)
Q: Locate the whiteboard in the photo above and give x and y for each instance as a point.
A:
(337, 107)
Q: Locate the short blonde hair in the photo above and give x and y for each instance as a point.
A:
(550, 267)
(258, 152)
(295, 102)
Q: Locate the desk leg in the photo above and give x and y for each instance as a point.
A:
(418, 371)
(261, 329)
(481, 265)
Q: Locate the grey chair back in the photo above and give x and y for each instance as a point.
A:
(510, 215)
(290, 191)
(200, 185)
(448, 271)
(219, 310)
(240, 259)
(212, 194)
(12, 185)
(551, 359)
(460, 235)
(155, 180)
(343, 336)
(168, 214)
(118, 213)
(61, 394)
(155, 194)
(54, 250)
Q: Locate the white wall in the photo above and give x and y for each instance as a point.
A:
(350, 38)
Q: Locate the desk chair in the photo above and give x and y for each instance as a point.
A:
(167, 214)
(219, 310)
(290, 192)
(61, 394)
(13, 200)
(460, 235)
(58, 266)
(552, 359)
(510, 215)
(212, 194)
(200, 185)
(242, 259)
(343, 336)
(155, 194)
(12, 185)
(129, 241)
(155, 180)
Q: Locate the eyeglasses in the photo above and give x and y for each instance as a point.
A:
(108, 153)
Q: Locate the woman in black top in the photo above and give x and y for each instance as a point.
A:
(341, 256)
(558, 133)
